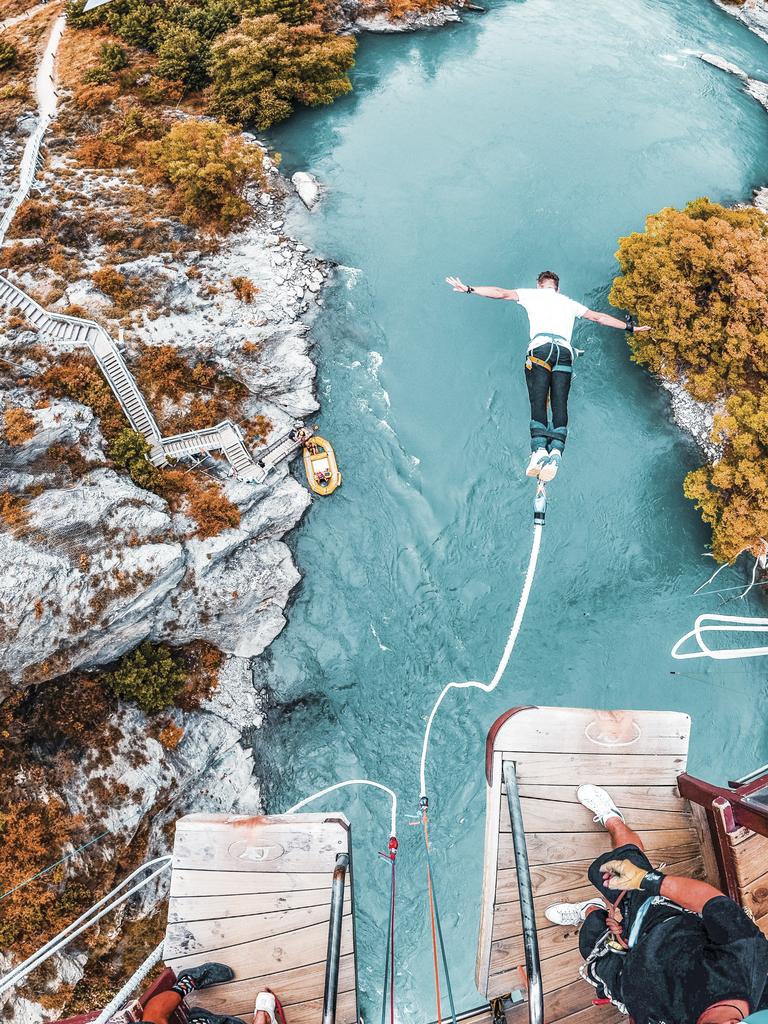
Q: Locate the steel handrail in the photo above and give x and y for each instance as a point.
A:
(525, 889)
(333, 955)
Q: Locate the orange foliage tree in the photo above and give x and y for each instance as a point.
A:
(699, 278)
(19, 426)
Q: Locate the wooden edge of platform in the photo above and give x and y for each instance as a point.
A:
(199, 820)
(493, 732)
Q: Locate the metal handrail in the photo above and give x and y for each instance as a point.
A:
(525, 889)
(333, 955)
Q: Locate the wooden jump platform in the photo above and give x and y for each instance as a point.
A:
(254, 893)
(637, 756)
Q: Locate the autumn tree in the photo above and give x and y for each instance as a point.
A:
(208, 168)
(699, 278)
(182, 56)
(262, 68)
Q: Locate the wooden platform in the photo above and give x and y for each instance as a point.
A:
(254, 893)
(749, 853)
(637, 756)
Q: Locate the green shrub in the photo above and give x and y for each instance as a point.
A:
(263, 68)
(97, 76)
(113, 57)
(150, 676)
(208, 167)
(183, 57)
(130, 451)
(8, 55)
(292, 12)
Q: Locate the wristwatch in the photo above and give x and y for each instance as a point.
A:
(651, 882)
(630, 328)
(470, 289)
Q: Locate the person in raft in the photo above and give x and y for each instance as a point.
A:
(549, 362)
(675, 950)
(160, 1008)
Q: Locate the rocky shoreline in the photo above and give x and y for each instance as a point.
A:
(103, 564)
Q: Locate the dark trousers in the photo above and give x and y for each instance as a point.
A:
(549, 388)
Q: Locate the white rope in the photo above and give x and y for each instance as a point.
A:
(131, 985)
(354, 782)
(87, 920)
(488, 687)
(708, 623)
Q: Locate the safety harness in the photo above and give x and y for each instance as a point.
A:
(556, 342)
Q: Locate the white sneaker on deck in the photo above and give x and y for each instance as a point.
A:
(549, 469)
(538, 458)
(266, 1001)
(599, 802)
(570, 913)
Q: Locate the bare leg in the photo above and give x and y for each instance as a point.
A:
(161, 1008)
(622, 835)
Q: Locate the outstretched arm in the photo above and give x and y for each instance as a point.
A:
(487, 291)
(606, 320)
(686, 892)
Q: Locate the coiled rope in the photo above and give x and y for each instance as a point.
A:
(708, 623)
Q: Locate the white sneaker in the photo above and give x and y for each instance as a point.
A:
(570, 913)
(599, 802)
(266, 1001)
(549, 469)
(538, 458)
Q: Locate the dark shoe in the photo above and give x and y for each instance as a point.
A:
(201, 1014)
(208, 974)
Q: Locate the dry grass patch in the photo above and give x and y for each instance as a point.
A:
(19, 426)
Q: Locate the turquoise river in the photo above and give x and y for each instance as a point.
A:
(531, 137)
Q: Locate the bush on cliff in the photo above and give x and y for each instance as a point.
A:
(8, 55)
(699, 278)
(208, 168)
(151, 676)
(129, 450)
(262, 68)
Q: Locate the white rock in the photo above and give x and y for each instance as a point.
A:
(308, 188)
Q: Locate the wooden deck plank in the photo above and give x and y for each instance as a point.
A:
(311, 1011)
(194, 937)
(755, 896)
(556, 971)
(579, 729)
(261, 848)
(593, 1015)
(552, 816)
(545, 848)
(601, 769)
(235, 883)
(628, 798)
(297, 985)
(750, 859)
(206, 908)
(264, 956)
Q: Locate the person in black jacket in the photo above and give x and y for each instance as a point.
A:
(663, 948)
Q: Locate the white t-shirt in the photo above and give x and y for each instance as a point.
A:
(549, 312)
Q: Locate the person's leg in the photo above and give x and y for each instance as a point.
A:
(537, 379)
(622, 835)
(161, 1008)
(560, 388)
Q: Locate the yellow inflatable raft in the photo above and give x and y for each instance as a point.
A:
(323, 474)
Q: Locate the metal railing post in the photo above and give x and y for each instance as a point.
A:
(333, 955)
(524, 887)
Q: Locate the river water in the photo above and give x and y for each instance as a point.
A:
(528, 138)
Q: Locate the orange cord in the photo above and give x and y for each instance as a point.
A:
(432, 923)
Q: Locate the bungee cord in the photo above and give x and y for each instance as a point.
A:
(353, 782)
(522, 604)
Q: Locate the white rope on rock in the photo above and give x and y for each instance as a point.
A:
(104, 906)
(131, 985)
